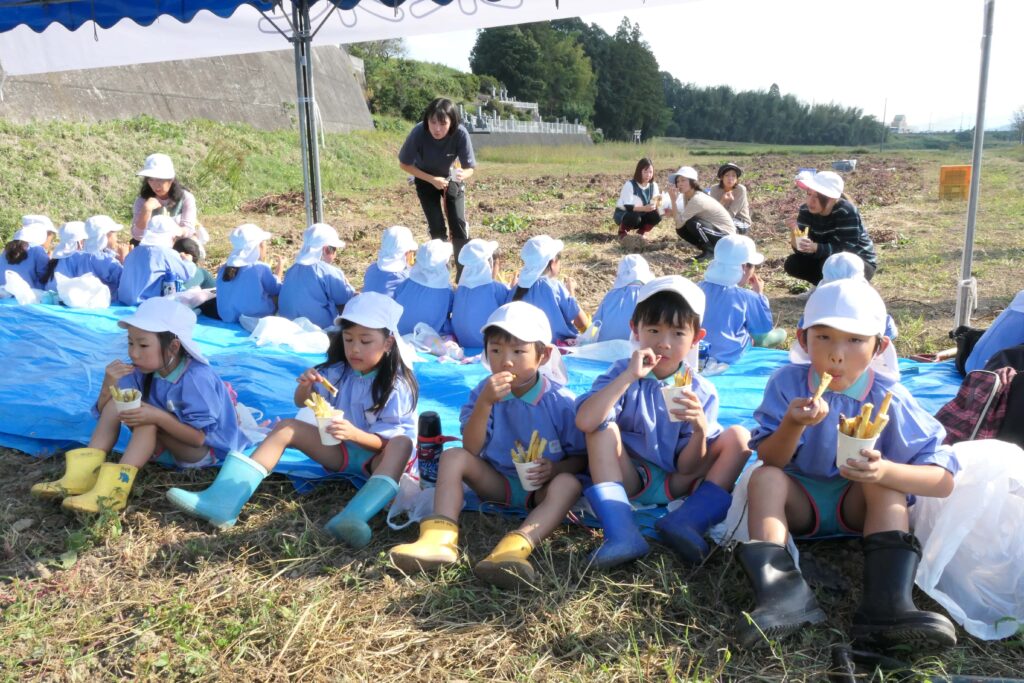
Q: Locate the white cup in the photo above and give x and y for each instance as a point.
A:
(668, 393)
(848, 448)
(322, 423)
(523, 469)
(129, 405)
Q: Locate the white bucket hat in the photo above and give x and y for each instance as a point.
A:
(431, 268)
(632, 268)
(157, 166)
(537, 253)
(31, 218)
(731, 253)
(161, 314)
(395, 243)
(97, 228)
(33, 233)
(160, 232)
(683, 172)
(245, 245)
(824, 182)
(71, 233)
(476, 260)
(690, 293)
(378, 312)
(314, 239)
(527, 323)
(842, 266)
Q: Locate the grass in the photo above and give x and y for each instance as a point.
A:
(151, 594)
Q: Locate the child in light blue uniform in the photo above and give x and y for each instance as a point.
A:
(245, 283)
(374, 421)
(538, 284)
(617, 306)
(736, 317)
(68, 259)
(426, 296)
(148, 264)
(1006, 330)
(313, 287)
(478, 294)
(843, 266)
(799, 490)
(392, 265)
(101, 246)
(184, 410)
(518, 405)
(25, 255)
(642, 447)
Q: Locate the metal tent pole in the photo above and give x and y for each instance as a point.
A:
(967, 289)
(305, 104)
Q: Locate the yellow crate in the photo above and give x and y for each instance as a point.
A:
(954, 182)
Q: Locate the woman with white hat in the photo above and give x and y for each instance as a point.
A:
(315, 288)
(24, 254)
(152, 263)
(394, 260)
(833, 225)
(479, 294)
(162, 194)
(426, 296)
(702, 221)
(246, 285)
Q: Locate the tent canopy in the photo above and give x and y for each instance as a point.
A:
(71, 14)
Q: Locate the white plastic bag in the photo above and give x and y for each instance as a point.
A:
(249, 423)
(300, 334)
(194, 297)
(411, 503)
(973, 541)
(426, 338)
(84, 291)
(21, 290)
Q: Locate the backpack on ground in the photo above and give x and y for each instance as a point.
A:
(980, 408)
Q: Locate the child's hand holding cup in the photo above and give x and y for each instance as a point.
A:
(676, 390)
(126, 399)
(322, 424)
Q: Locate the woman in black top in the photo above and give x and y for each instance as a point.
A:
(439, 155)
(833, 225)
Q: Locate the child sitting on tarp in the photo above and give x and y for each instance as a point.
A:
(736, 317)
(801, 489)
(151, 263)
(68, 259)
(613, 315)
(538, 284)
(314, 288)
(845, 266)
(24, 254)
(650, 445)
(192, 255)
(105, 259)
(426, 296)
(478, 295)
(397, 247)
(178, 406)
(518, 410)
(246, 285)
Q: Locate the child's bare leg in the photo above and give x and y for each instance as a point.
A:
(555, 499)
(391, 461)
(885, 510)
(141, 446)
(104, 436)
(609, 461)
(302, 436)
(181, 451)
(728, 454)
(770, 515)
(459, 465)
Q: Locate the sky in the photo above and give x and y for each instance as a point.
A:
(919, 58)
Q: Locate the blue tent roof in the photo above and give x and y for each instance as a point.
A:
(71, 14)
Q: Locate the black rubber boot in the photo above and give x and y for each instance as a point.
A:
(784, 601)
(457, 245)
(887, 616)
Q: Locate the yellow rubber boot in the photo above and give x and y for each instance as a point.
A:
(507, 566)
(81, 465)
(437, 546)
(113, 485)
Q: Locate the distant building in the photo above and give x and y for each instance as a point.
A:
(899, 124)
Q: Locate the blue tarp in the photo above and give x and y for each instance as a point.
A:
(54, 360)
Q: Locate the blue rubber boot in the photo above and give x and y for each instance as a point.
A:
(622, 538)
(350, 525)
(220, 503)
(683, 529)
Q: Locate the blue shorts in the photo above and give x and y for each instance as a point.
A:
(356, 459)
(826, 497)
(653, 484)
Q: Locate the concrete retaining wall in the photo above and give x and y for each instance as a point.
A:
(481, 140)
(258, 89)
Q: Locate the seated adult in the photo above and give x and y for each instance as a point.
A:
(733, 196)
(162, 194)
(1007, 330)
(637, 208)
(702, 220)
(833, 225)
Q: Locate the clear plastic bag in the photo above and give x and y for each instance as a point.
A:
(973, 546)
